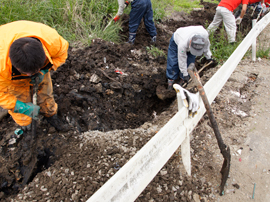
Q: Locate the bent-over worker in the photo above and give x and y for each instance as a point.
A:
(27, 50)
(186, 43)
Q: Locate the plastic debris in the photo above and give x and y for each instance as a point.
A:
(118, 72)
(117, 166)
(254, 191)
(239, 151)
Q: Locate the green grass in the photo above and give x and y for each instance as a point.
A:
(76, 20)
(155, 52)
(188, 5)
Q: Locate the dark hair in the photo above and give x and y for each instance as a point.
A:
(27, 55)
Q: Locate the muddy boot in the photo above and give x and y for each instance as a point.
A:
(57, 123)
(153, 40)
(131, 38)
(182, 82)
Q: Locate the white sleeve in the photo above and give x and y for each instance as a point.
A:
(206, 51)
(121, 4)
(182, 60)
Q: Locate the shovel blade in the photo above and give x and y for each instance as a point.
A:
(29, 170)
(225, 169)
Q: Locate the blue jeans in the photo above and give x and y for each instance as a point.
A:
(141, 9)
(172, 71)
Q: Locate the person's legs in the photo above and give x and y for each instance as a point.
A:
(148, 20)
(216, 21)
(229, 24)
(172, 71)
(136, 14)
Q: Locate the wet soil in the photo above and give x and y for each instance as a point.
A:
(107, 94)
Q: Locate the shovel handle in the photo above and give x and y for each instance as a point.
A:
(196, 78)
(225, 151)
(34, 122)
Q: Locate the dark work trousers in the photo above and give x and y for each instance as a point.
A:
(172, 71)
(141, 9)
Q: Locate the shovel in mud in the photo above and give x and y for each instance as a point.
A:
(225, 150)
(33, 160)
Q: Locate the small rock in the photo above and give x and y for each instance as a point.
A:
(236, 186)
(196, 197)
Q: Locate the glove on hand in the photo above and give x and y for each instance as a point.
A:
(238, 20)
(116, 18)
(28, 109)
(186, 78)
(190, 100)
(127, 3)
(41, 75)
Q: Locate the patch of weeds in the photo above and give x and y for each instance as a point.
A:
(186, 5)
(263, 51)
(220, 47)
(155, 52)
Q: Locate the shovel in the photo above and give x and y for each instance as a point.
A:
(225, 151)
(29, 170)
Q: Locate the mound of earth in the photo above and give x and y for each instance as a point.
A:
(107, 93)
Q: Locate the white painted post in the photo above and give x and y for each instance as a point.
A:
(185, 152)
(185, 146)
(254, 43)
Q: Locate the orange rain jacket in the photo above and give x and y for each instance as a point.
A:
(13, 84)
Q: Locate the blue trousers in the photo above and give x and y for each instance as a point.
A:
(172, 71)
(141, 9)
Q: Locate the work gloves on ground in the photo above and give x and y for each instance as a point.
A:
(28, 109)
(238, 20)
(41, 75)
(190, 100)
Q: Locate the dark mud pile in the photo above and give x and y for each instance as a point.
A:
(102, 87)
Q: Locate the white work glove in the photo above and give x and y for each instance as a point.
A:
(190, 100)
(238, 20)
(264, 9)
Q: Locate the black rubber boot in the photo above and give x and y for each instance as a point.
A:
(57, 123)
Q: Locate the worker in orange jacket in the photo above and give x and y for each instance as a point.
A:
(27, 50)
